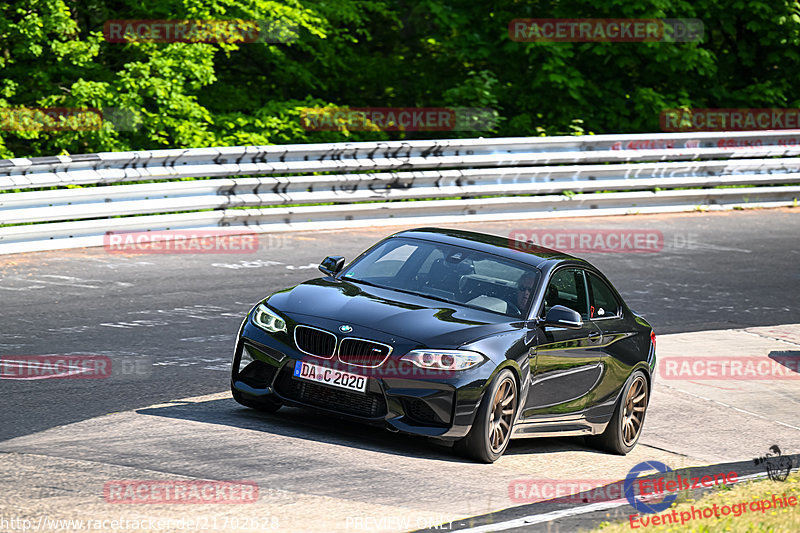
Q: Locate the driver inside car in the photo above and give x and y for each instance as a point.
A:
(525, 288)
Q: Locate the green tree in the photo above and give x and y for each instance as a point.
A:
(392, 53)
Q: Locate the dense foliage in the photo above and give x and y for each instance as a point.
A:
(386, 53)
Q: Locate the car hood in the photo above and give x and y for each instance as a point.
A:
(426, 321)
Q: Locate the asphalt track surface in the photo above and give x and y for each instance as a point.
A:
(170, 320)
(180, 313)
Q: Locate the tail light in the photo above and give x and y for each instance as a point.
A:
(653, 339)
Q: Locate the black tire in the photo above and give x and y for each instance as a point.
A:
(267, 405)
(488, 438)
(625, 426)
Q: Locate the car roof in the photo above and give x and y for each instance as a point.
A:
(525, 252)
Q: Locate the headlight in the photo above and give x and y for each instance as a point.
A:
(267, 320)
(444, 359)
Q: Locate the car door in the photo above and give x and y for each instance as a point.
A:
(565, 363)
(618, 349)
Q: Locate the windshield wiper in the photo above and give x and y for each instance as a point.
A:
(431, 296)
(404, 291)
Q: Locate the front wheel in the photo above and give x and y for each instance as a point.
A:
(622, 432)
(491, 431)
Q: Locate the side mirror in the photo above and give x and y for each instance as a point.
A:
(563, 317)
(332, 265)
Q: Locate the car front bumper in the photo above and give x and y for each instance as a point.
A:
(420, 405)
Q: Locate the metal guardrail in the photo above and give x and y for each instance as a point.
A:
(482, 179)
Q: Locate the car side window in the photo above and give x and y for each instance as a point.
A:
(567, 287)
(604, 303)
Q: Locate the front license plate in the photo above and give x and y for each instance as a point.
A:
(330, 376)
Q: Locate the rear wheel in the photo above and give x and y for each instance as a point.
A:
(491, 431)
(622, 432)
(266, 405)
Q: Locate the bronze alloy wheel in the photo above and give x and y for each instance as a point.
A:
(633, 414)
(501, 417)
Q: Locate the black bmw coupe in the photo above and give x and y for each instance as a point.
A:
(471, 338)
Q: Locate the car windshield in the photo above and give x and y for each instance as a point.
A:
(450, 273)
